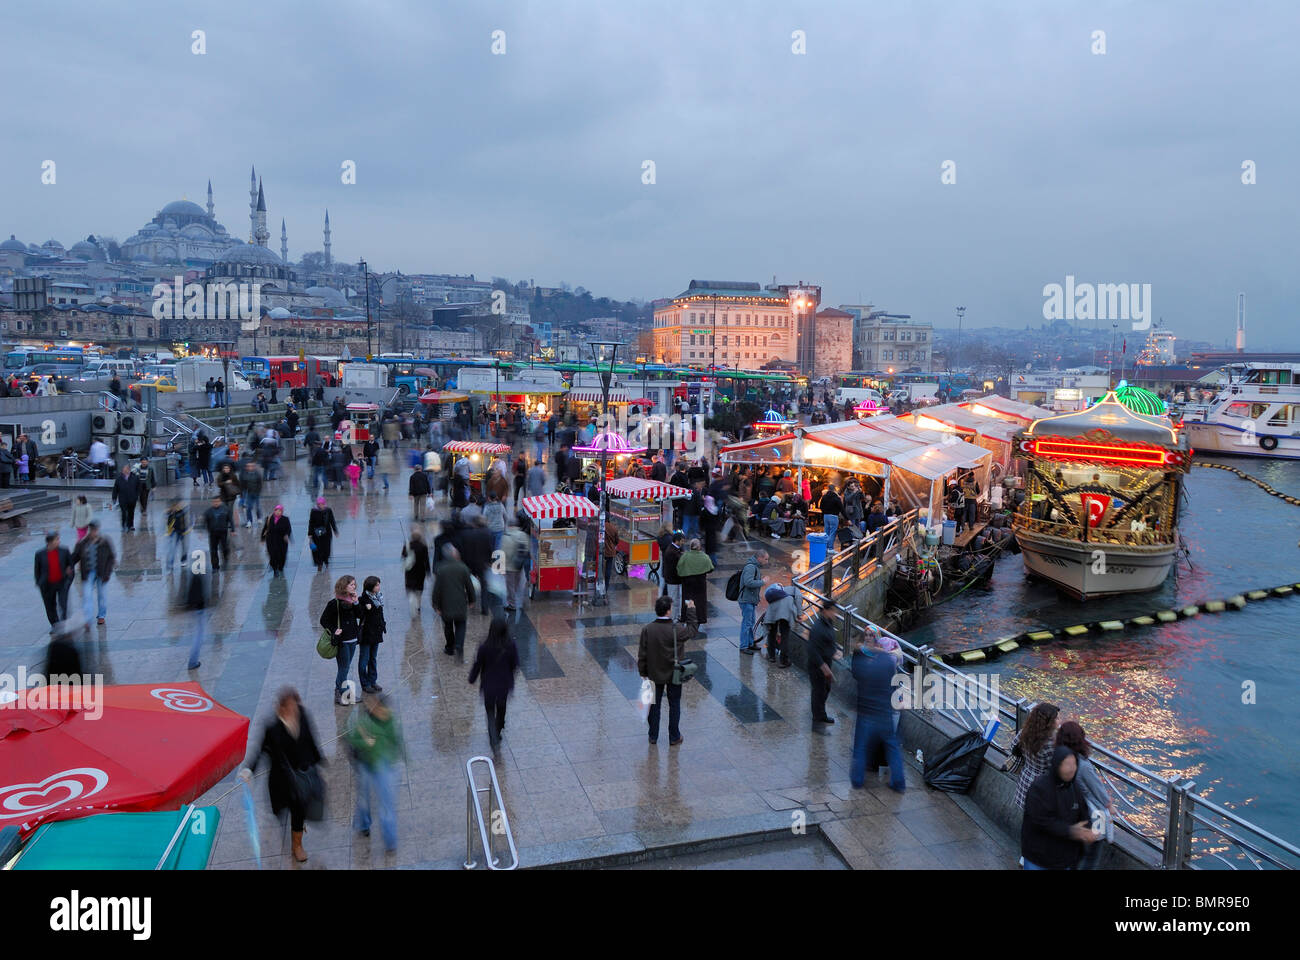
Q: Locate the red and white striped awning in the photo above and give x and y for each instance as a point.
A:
(636, 488)
(593, 396)
(475, 446)
(554, 506)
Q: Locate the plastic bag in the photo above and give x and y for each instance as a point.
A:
(954, 766)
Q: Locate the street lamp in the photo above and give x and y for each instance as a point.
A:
(599, 348)
(225, 348)
(961, 312)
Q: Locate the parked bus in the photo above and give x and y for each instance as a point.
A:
(287, 372)
(29, 357)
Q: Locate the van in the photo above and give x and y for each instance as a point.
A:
(107, 369)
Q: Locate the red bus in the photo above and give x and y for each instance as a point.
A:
(288, 372)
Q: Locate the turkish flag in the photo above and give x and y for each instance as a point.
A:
(1095, 505)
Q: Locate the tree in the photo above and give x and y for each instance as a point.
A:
(313, 262)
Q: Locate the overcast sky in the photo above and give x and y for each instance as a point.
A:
(823, 167)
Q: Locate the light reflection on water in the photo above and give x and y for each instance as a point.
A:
(1170, 697)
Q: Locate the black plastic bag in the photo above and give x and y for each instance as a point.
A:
(956, 764)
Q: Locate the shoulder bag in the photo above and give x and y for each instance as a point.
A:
(326, 645)
(683, 670)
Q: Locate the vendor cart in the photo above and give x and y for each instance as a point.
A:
(480, 453)
(556, 555)
(639, 508)
(355, 429)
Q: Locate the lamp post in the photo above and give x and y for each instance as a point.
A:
(961, 312)
(606, 378)
(226, 348)
(365, 270)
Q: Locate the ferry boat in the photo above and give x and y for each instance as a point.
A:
(1100, 514)
(1257, 414)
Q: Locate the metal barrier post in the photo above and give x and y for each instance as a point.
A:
(1178, 833)
(857, 559)
(1022, 712)
(487, 829)
(828, 578)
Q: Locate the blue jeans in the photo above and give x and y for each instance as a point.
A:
(344, 659)
(200, 634)
(747, 624)
(1033, 866)
(830, 523)
(383, 777)
(91, 587)
(318, 478)
(674, 710)
(176, 544)
(691, 525)
(367, 668)
(539, 448)
(868, 736)
(252, 505)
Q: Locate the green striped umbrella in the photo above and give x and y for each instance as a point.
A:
(1140, 400)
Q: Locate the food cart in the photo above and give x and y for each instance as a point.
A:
(480, 453)
(556, 558)
(638, 507)
(444, 401)
(355, 430)
(616, 450)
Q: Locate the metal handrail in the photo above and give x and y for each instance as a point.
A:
(1177, 845)
(474, 811)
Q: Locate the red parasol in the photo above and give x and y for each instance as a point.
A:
(149, 746)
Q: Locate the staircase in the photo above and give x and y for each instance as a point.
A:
(17, 502)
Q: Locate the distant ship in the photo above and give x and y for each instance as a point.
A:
(1100, 515)
(1256, 414)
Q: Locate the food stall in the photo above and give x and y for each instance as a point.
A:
(638, 508)
(355, 430)
(480, 454)
(774, 422)
(444, 401)
(556, 557)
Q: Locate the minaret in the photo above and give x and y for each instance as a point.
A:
(252, 205)
(284, 242)
(260, 234)
(1241, 323)
(210, 206)
(328, 260)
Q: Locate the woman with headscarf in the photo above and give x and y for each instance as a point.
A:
(693, 568)
(1055, 832)
(321, 528)
(1101, 804)
(294, 783)
(276, 533)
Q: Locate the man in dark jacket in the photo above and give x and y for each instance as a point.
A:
(831, 506)
(453, 592)
(751, 583)
(672, 582)
(659, 649)
(126, 493)
(217, 520)
(475, 545)
(94, 554)
(1055, 831)
(659, 471)
(54, 578)
(821, 654)
(873, 670)
(418, 489)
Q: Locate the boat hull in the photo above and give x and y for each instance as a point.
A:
(1079, 570)
(1232, 441)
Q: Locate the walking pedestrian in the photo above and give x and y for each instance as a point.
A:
(831, 506)
(673, 582)
(177, 526)
(475, 545)
(494, 513)
(203, 459)
(1031, 748)
(415, 561)
(494, 667)
(1055, 832)
(294, 783)
(54, 578)
(821, 654)
(873, 671)
(321, 528)
(276, 534)
(418, 490)
(216, 519)
(94, 555)
(251, 485)
(228, 485)
(659, 649)
(82, 514)
(126, 494)
(199, 599)
(144, 477)
(453, 593)
(376, 742)
(342, 616)
(1100, 802)
(694, 568)
(373, 628)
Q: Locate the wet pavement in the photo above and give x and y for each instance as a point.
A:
(577, 774)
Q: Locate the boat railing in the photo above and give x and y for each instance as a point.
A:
(1098, 535)
(1176, 826)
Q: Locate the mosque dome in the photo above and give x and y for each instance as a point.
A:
(17, 246)
(332, 297)
(279, 313)
(85, 250)
(183, 208)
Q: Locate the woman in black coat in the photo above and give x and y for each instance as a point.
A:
(373, 628)
(415, 558)
(320, 533)
(294, 784)
(276, 532)
(495, 663)
(1056, 831)
(342, 617)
